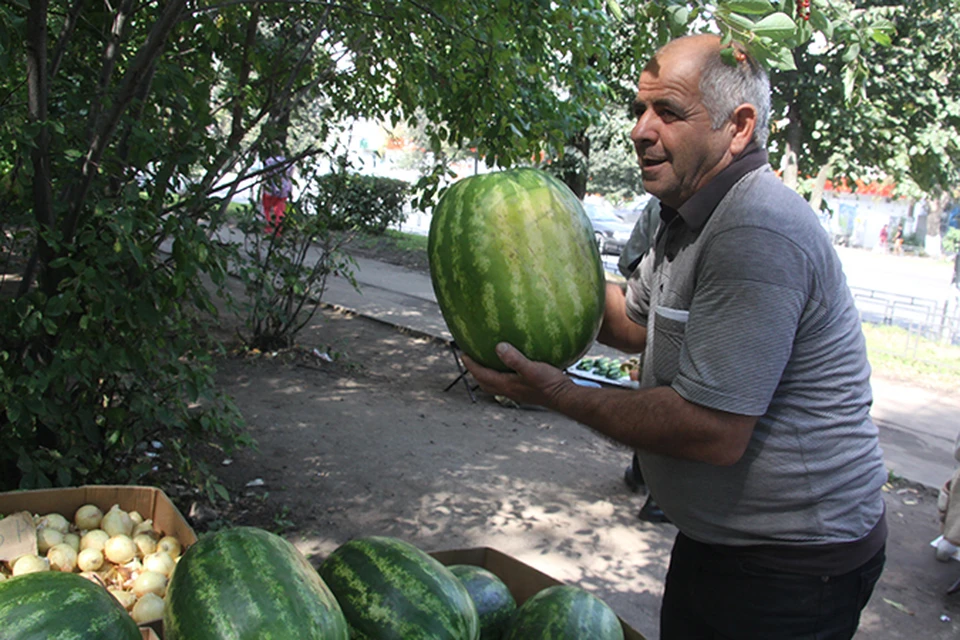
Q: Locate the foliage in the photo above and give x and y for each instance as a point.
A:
(951, 241)
(284, 272)
(361, 202)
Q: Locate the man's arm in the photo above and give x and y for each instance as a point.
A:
(658, 420)
(618, 330)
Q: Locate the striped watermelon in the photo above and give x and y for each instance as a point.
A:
(245, 584)
(512, 258)
(61, 606)
(492, 598)
(391, 590)
(564, 612)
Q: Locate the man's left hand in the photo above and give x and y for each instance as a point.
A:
(531, 383)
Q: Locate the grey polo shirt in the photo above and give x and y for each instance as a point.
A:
(748, 311)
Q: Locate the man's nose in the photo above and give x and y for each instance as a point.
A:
(643, 131)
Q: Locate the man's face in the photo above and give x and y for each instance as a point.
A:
(678, 149)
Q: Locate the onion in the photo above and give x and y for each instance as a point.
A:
(73, 540)
(170, 546)
(148, 608)
(47, 538)
(29, 564)
(150, 582)
(117, 522)
(135, 517)
(92, 576)
(62, 557)
(95, 539)
(54, 521)
(125, 598)
(144, 527)
(146, 544)
(160, 562)
(3, 576)
(90, 559)
(120, 549)
(88, 517)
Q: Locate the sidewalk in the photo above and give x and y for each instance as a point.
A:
(917, 427)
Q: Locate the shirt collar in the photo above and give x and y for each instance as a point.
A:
(701, 204)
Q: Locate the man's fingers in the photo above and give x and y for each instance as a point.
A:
(511, 356)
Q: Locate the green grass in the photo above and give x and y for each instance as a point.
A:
(398, 241)
(894, 352)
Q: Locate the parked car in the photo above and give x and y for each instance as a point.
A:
(610, 231)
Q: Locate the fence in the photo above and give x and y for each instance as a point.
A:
(929, 319)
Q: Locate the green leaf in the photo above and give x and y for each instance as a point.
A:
(755, 7)
(777, 26)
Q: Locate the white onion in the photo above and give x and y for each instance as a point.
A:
(62, 557)
(90, 559)
(73, 540)
(88, 517)
(144, 527)
(148, 608)
(117, 522)
(170, 546)
(95, 539)
(125, 598)
(3, 576)
(146, 544)
(120, 549)
(150, 582)
(54, 521)
(135, 517)
(160, 562)
(47, 538)
(29, 564)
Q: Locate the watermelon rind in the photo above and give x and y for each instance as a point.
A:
(564, 612)
(391, 590)
(491, 596)
(53, 605)
(246, 583)
(513, 259)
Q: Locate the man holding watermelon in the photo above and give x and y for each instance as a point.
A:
(753, 421)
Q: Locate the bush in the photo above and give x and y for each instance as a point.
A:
(110, 378)
(362, 203)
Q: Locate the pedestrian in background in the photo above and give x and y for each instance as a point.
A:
(753, 417)
(884, 236)
(277, 187)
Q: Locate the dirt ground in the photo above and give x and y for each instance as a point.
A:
(374, 442)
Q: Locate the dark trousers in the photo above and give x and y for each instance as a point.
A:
(720, 596)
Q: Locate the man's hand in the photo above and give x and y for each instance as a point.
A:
(532, 383)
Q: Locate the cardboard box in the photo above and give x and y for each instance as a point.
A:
(522, 580)
(150, 502)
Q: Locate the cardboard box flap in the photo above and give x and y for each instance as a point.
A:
(522, 579)
(149, 502)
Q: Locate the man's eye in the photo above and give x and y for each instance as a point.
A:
(636, 110)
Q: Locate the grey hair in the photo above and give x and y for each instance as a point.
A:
(724, 87)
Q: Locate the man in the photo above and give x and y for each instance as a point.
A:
(277, 187)
(753, 422)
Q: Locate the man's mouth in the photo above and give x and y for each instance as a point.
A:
(647, 163)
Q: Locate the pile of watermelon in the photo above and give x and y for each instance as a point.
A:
(247, 583)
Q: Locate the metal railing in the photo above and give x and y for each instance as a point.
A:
(935, 320)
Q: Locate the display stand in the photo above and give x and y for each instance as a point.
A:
(463, 373)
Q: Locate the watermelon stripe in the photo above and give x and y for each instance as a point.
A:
(61, 606)
(389, 589)
(512, 258)
(247, 582)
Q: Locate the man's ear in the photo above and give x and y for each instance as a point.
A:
(744, 120)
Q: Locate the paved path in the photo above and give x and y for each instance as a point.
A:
(917, 427)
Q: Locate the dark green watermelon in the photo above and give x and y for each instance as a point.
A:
(564, 612)
(512, 258)
(492, 598)
(249, 584)
(54, 605)
(391, 590)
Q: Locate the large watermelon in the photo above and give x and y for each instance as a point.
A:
(61, 606)
(391, 590)
(512, 258)
(564, 612)
(249, 584)
(492, 598)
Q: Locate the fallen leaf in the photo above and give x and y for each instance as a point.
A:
(897, 605)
